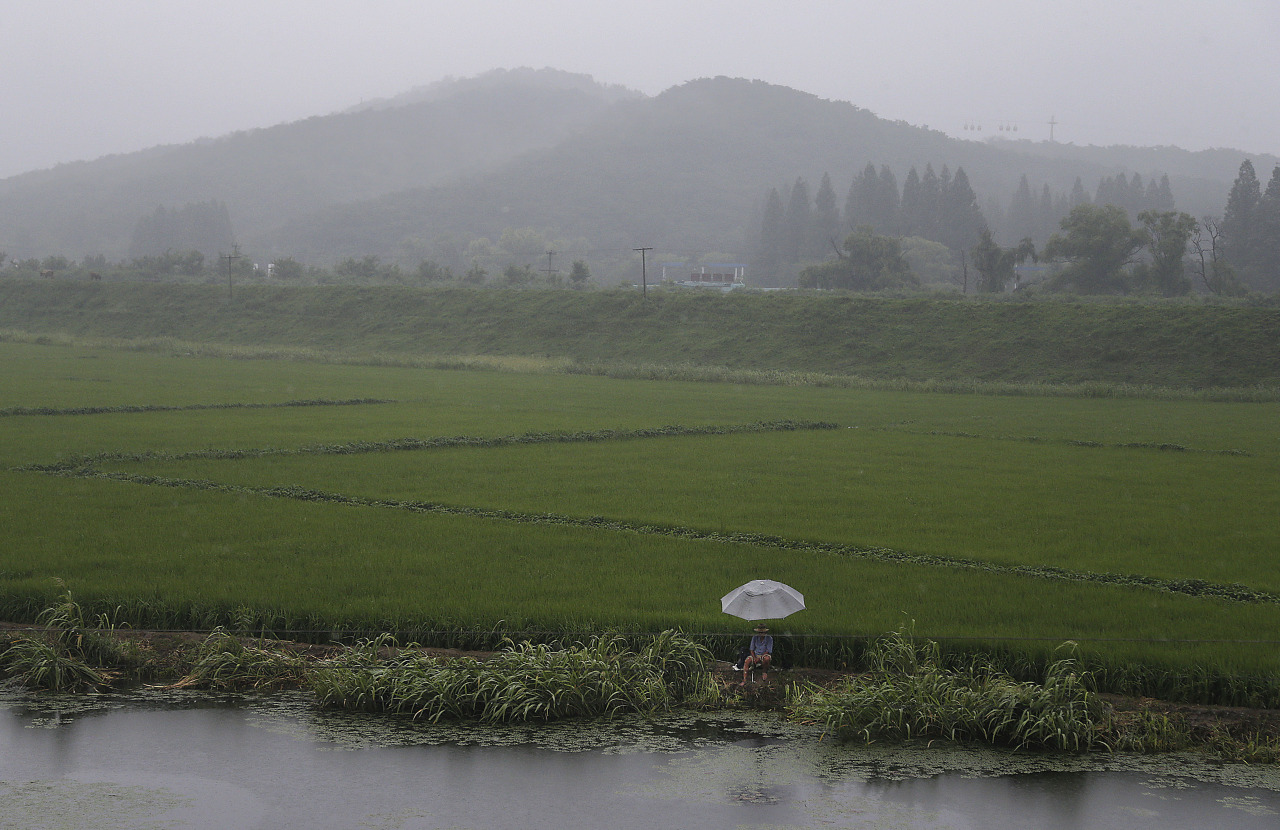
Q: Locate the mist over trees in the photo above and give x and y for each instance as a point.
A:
(203, 226)
(474, 182)
(1250, 229)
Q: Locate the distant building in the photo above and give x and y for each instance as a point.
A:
(725, 276)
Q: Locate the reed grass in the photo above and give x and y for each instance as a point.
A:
(523, 682)
(910, 694)
(67, 653)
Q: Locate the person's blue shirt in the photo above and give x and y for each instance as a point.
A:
(761, 644)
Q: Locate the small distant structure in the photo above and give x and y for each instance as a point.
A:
(725, 276)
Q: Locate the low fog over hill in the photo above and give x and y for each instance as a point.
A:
(602, 169)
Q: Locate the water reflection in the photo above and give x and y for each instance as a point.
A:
(186, 760)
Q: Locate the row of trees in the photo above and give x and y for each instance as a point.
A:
(191, 266)
(1037, 216)
(1097, 251)
(940, 207)
(199, 226)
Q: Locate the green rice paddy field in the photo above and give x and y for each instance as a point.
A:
(182, 492)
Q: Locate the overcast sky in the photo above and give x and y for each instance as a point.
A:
(81, 79)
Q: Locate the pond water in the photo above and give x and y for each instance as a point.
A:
(164, 759)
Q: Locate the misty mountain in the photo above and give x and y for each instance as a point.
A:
(269, 176)
(685, 171)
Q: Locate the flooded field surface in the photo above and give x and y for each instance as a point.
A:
(163, 759)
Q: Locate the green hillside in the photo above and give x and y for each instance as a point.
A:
(267, 177)
(1181, 345)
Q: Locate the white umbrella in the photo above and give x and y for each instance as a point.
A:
(762, 599)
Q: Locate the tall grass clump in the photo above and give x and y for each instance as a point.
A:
(909, 693)
(523, 682)
(67, 653)
(224, 661)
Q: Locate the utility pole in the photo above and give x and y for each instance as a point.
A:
(548, 270)
(1052, 123)
(229, 259)
(644, 277)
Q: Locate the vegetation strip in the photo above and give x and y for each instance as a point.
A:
(399, 444)
(1189, 587)
(1070, 442)
(1265, 392)
(112, 410)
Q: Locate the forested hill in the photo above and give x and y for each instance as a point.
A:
(682, 171)
(1186, 345)
(603, 169)
(685, 171)
(269, 176)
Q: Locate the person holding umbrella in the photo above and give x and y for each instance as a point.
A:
(759, 653)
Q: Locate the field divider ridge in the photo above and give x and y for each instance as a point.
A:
(13, 411)
(1162, 446)
(1187, 587)
(441, 442)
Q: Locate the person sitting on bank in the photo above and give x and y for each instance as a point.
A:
(759, 653)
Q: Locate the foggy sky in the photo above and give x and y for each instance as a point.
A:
(81, 79)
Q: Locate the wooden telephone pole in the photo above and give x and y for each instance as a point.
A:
(229, 259)
(644, 277)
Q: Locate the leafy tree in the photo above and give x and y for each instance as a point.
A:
(170, 263)
(1167, 234)
(287, 268)
(995, 265)
(1096, 242)
(431, 271)
(579, 274)
(55, 263)
(368, 268)
(518, 274)
(870, 263)
(476, 274)
(932, 262)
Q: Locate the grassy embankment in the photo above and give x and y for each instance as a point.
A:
(1180, 345)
